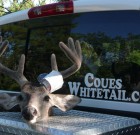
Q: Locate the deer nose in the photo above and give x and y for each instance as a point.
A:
(29, 112)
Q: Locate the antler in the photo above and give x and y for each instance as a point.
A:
(16, 75)
(3, 46)
(73, 52)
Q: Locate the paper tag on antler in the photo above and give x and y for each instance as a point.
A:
(52, 81)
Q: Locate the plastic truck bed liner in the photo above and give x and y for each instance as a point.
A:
(70, 123)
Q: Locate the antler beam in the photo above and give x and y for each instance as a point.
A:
(16, 75)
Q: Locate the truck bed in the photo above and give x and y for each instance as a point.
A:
(72, 122)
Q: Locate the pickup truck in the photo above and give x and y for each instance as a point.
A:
(109, 34)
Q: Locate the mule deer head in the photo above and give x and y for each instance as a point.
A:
(35, 100)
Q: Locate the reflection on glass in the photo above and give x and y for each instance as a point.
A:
(110, 44)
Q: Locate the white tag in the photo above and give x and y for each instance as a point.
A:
(55, 80)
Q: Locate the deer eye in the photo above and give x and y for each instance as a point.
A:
(46, 98)
(20, 98)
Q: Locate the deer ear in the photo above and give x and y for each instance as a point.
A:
(8, 102)
(64, 102)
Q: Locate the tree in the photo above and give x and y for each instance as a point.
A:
(9, 6)
(60, 0)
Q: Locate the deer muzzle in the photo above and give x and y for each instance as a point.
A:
(30, 114)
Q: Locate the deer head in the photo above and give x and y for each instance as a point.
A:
(35, 100)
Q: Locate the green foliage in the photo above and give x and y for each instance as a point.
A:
(134, 57)
(9, 6)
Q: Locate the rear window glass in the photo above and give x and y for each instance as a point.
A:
(110, 43)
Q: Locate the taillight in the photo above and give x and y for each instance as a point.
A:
(51, 9)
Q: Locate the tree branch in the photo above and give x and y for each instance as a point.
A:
(23, 2)
(6, 9)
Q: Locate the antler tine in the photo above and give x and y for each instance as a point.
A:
(3, 47)
(16, 75)
(53, 62)
(73, 52)
(0, 39)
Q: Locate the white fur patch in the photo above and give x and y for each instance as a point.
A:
(33, 120)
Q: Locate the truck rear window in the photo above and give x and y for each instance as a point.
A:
(110, 44)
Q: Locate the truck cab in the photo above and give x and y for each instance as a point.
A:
(109, 32)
